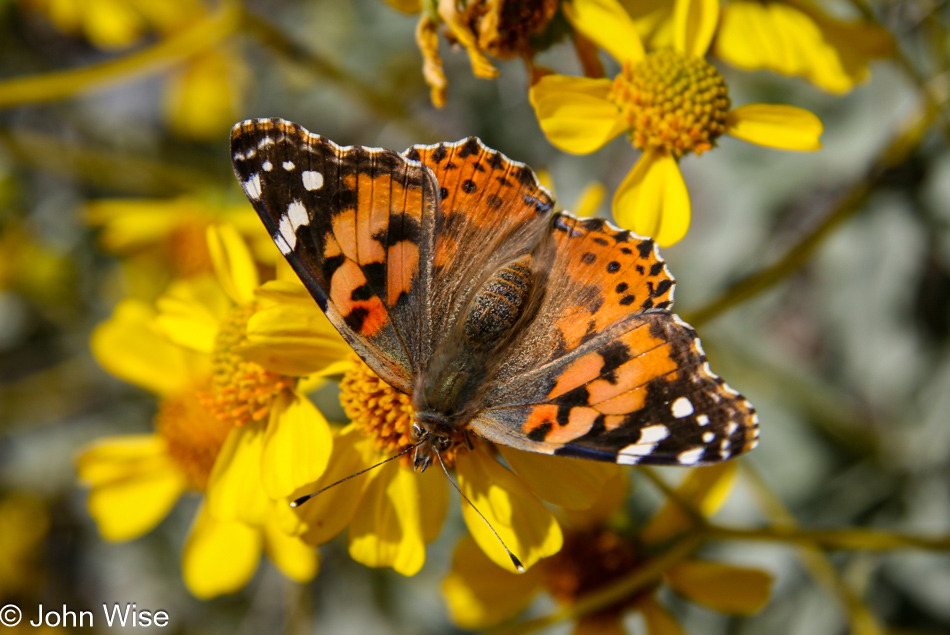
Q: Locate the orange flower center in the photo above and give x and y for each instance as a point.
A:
(672, 101)
(588, 561)
(193, 433)
(380, 411)
(241, 391)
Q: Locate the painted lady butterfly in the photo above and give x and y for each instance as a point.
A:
(448, 272)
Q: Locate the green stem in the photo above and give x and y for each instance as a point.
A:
(895, 153)
(861, 619)
(687, 506)
(851, 538)
(56, 85)
(616, 592)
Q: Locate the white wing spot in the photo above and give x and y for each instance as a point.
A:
(288, 165)
(732, 427)
(312, 180)
(238, 156)
(263, 143)
(282, 244)
(703, 420)
(690, 456)
(298, 215)
(653, 434)
(287, 233)
(708, 437)
(268, 166)
(253, 187)
(682, 407)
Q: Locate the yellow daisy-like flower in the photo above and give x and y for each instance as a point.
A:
(670, 103)
(240, 431)
(392, 512)
(164, 239)
(594, 555)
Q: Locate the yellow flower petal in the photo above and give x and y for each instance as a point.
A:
(134, 484)
(796, 38)
(127, 346)
(589, 200)
(434, 494)
(131, 223)
(721, 587)
(292, 336)
(568, 483)
(525, 525)
(220, 556)
(321, 518)
(652, 200)
(235, 491)
(775, 126)
(694, 24)
(706, 488)
(608, 25)
(480, 594)
(574, 112)
(297, 445)
(611, 497)
(233, 264)
(386, 530)
(190, 312)
(296, 559)
(659, 621)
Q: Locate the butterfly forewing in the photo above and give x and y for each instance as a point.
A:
(349, 220)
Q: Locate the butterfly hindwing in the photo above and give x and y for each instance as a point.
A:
(350, 221)
(628, 381)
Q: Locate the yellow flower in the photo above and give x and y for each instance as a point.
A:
(392, 512)
(203, 96)
(670, 103)
(595, 554)
(240, 431)
(794, 37)
(161, 239)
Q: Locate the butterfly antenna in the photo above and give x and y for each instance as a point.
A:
(514, 558)
(303, 499)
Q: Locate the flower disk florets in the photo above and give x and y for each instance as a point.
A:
(380, 411)
(672, 101)
(241, 391)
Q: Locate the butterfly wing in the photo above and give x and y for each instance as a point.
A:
(606, 371)
(492, 211)
(356, 225)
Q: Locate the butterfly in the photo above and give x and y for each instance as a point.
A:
(448, 271)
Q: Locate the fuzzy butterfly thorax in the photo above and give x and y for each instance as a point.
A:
(450, 274)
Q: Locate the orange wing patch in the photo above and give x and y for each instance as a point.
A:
(614, 273)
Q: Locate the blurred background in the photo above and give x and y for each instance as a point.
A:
(114, 120)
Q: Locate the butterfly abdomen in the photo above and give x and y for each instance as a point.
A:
(497, 306)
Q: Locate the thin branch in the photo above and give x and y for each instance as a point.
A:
(388, 107)
(895, 153)
(851, 538)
